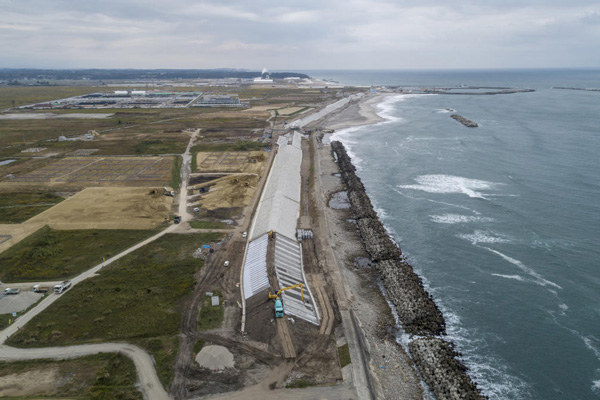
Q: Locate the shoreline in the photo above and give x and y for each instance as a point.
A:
(357, 113)
(434, 357)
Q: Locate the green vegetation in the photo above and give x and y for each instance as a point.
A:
(137, 299)
(198, 346)
(4, 318)
(299, 384)
(23, 95)
(167, 124)
(52, 254)
(209, 316)
(208, 225)
(176, 172)
(230, 146)
(101, 376)
(344, 353)
(17, 207)
(159, 146)
(164, 351)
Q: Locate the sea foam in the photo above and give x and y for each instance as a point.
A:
(596, 386)
(515, 277)
(451, 184)
(539, 279)
(483, 237)
(458, 219)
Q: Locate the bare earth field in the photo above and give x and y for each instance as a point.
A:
(108, 208)
(240, 161)
(89, 170)
(226, 192)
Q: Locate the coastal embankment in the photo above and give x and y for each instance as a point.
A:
(436, 359)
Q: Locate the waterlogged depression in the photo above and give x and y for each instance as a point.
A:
(502, 227)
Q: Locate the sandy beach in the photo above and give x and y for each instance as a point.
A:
(357, 113)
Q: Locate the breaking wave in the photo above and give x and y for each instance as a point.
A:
(451, 184)
(458, 219)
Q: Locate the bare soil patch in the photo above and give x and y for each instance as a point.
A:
(108, 208)
(230, 161)
(231, 191)
(88, 170)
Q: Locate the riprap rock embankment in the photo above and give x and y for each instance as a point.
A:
(465, 121)
(418, 313)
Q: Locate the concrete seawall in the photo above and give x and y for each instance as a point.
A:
(419, 316)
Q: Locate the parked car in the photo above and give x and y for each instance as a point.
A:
(226, 264)
(245, 235)
(11, 291)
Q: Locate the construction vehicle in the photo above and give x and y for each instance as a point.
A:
(61, 287)
(278, 309)
(271, 234)
(41, 289)
(279, 303)
(168, 192)
(278, 294)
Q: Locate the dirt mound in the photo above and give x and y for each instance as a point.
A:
(215, 358)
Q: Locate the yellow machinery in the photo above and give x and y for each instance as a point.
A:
(276, 295)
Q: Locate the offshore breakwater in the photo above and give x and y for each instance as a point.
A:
(419, 316)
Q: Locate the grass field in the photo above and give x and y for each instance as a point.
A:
(101, 376)
(344, 354)
(176, 173)
(137, 299)
(230, 146)
(208, 225)
(51, 255)
(23, 95)
(209, 316)
(16, 207)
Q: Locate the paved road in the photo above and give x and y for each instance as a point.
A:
(148, 379)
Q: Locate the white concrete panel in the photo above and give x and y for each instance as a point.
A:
(255, 267)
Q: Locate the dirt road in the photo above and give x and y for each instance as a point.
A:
(147, 377)
(148, 381)
(363, 380)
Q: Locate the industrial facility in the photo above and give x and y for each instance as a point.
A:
(122, 99)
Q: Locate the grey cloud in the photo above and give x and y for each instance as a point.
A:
(297, 34)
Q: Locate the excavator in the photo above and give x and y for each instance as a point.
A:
(279, 303)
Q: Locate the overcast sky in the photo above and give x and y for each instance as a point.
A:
(294, 35)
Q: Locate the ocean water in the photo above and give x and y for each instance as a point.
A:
(502, 221)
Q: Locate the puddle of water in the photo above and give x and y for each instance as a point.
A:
(363, 262)
(339, 201)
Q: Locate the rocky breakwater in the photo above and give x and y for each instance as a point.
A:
(437, 361)
(466, 122)
(418, 313)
